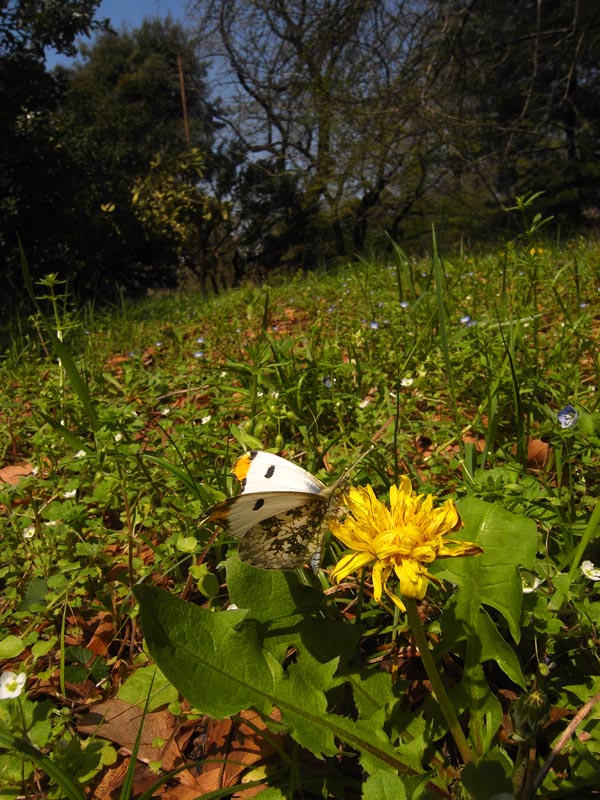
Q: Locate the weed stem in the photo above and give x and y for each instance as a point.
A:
(435, 678)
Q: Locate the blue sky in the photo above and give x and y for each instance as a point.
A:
(130, 13)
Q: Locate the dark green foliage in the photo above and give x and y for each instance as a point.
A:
(29, 26)
(32, 162)
(342, 126)
(524, 80)
(72, 162)
(283, 226)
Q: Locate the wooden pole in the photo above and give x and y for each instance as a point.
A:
(186, 126)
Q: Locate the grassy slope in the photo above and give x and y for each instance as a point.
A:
(460, 388)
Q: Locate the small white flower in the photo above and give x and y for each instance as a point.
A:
(80, 454)
(529, 588)
(70, 493)
(590, 571)
(364, 403)
(406, 382)
(51, 523)
(35, 471)
(29, 532)
(206, 419)
(11, 684)
(118, 437)
(231, 607)
(165, 412)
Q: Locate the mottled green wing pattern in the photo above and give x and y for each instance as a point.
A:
(289, 539)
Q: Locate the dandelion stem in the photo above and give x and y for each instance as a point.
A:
(435, 678)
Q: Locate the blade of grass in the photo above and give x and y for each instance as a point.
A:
(127, 786)
(440, 283)
(75, 377)
(519, 422)
(588, 535)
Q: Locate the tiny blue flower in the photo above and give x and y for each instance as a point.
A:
(200, 340)
(465, 320)
(404, 304)
(331, 308)
(199, 354)
(328, 382)
(567, 417)
(374, 326)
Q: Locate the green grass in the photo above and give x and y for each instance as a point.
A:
(127, 424)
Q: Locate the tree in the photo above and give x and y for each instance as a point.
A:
(381, 111)
(122, 113)
(330, 91)
(118, 110)
(30, 163)
(521, 106)
(169, 199)
(28, 27)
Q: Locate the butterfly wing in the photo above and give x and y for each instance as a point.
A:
(239, 514)
(258, 471)
(289, 539)
(280, 515)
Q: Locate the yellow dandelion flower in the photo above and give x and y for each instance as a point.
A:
(397, 541)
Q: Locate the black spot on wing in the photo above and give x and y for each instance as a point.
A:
(258, 505)
(270, 472)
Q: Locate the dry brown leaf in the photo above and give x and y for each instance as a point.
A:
(113, 777)
(119, 722)
(538, 453)
(13, 473)
(476, 439)
(102, 637)
(231, 748)
(117, 359)
(148, 356)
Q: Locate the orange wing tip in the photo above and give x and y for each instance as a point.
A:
(219, 513)
(242, 466)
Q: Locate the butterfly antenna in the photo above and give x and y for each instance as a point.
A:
(352, 467)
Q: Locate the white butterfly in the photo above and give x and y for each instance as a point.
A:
(281, 514)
